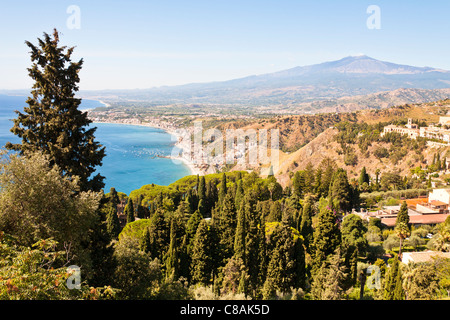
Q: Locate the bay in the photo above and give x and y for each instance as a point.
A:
(134, 154)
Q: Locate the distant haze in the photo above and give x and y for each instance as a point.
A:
(350, 76)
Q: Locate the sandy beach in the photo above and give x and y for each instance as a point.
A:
(180, 143)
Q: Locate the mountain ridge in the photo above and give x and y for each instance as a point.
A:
(349, 76)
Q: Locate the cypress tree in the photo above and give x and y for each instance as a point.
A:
(223, 188)
(363, 177)
(281, 268)
(145, 244)
(159, 235)
(393, 284)
(402, 226)
(113, 198)
(227, 226)
(202, 262)
(202, 208)
(340, 192)
(327, 237)
(239, 195)
(239, 239)
(306, 229)
(275, 212)
(191, 228)
(172, 263)
(52, 123)
(113, 224)
(129, 210)
(201, 191)
(402, 215)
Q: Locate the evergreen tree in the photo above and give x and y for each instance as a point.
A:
(223, 188)
(113, 198)
(393, 284)
(239, 195)
(340, 192)
(275, 212)
(202, 262)
(145, 244)
(306, 229)
(191, 228)
(129, 210)
(328, 166)
(159, 235)
(172, 262)
(202, 208)
(283, 265)
(52, 122)
(227, 226)
(298, 183)
(113, 224)
(239, 238)
(402, 215)
(363, 177)
(201, 191)
(327, 237)
(327, 282)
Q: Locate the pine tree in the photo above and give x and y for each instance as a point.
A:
(129, 210)
(363, 177)
(52, 122)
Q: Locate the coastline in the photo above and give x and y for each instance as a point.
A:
(183, 159)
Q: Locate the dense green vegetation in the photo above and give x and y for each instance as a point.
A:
(220, 236)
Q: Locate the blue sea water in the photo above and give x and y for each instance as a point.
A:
(131, 151)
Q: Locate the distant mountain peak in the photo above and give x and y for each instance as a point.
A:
(363, 64)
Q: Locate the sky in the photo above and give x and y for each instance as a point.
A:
(147, 43)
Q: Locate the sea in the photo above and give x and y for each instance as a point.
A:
(135, 155)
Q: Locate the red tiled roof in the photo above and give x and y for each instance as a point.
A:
(418, 219)
(437, 203)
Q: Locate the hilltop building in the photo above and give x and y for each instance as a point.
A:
(411, 130)
(430, 210)
(438, 132)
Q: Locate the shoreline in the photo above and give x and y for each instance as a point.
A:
(176, 137)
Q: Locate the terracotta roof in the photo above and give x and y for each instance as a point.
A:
(423, 256)
(418, 219)
(437, 203)
(414, 202)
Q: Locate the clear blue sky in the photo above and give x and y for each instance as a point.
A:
(141, 44)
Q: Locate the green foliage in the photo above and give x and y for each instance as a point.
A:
(37, 203)
(52, 123)
(37, 273)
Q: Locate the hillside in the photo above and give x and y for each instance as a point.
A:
(351, 140)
